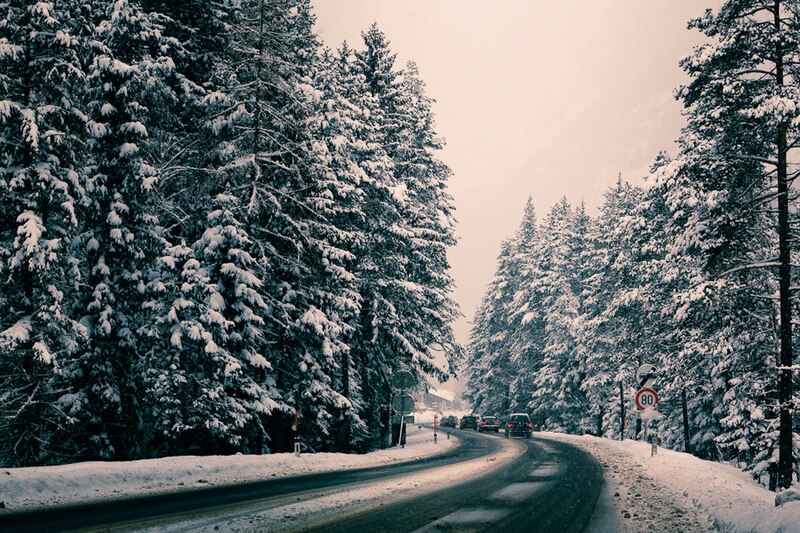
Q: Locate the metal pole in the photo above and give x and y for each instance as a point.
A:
(400, 436)
(402, 421)
(435, 417)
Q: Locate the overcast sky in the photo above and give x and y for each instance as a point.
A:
(539, 98)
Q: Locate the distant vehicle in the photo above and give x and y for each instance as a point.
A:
(469, 422)
(519, 424)
(449, 421)
(489, 423)
(444, 421)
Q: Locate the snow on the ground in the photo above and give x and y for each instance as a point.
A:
(32, 487)
(675, 491)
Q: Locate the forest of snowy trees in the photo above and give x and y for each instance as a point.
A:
(693, 273)
(207, 222)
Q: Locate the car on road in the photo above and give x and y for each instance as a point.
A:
(468, 422)
(519, 424)
(448, 421)
(489, 423)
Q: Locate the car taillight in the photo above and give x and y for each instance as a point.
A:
(509, 425)
(484, 423)
(529, 425)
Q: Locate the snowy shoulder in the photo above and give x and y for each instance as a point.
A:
(674, 491)
(24, 488)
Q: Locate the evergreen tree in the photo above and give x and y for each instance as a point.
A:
(42, 189)
(743, 81)
(407, 310)
(121, 237)
(557, 398)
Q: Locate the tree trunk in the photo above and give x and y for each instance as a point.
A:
(687, 445)
(784, 281)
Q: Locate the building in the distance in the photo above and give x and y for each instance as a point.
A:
(438, 400)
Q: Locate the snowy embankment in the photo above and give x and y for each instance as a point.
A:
(675, 491)
(32, 487)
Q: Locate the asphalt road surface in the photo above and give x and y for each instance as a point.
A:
(550, 487)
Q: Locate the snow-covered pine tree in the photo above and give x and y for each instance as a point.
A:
(557, 398)
(525, 314)
(208, 388)
(430, 215)
(506, 340)
(121, 237)
(745, 80)
(273, 162)
(407, 309)
(180, 144)
(609, 309)
(41, 190)
(358, 171)
(488, 369)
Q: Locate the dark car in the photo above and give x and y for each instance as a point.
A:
(519, 424)
(489, 423)
(468, 422)
(449, 422)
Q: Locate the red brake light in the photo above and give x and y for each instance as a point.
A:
(509, 425)
(530, 425)
(484, 423)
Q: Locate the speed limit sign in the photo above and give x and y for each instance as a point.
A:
(646, 399)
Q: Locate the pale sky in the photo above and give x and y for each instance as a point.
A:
(540, 98)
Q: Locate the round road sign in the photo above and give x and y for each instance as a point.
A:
(403, 404)
(646, 399)
(403, 379)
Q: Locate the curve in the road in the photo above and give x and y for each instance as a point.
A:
(147, 508)
(553, 487)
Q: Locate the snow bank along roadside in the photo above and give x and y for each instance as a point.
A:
(32, 487)
(676, 491)
(320, 507)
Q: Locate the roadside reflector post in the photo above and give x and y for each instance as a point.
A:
(621, 414)
(435, 419)
(296, 432)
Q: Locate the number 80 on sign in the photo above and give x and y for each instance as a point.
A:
(646, 399)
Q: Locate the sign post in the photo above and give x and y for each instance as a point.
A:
(646, 397)
(403, 403)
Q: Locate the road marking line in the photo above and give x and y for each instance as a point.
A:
(518, 492)
(465, 517)
(544, 471)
